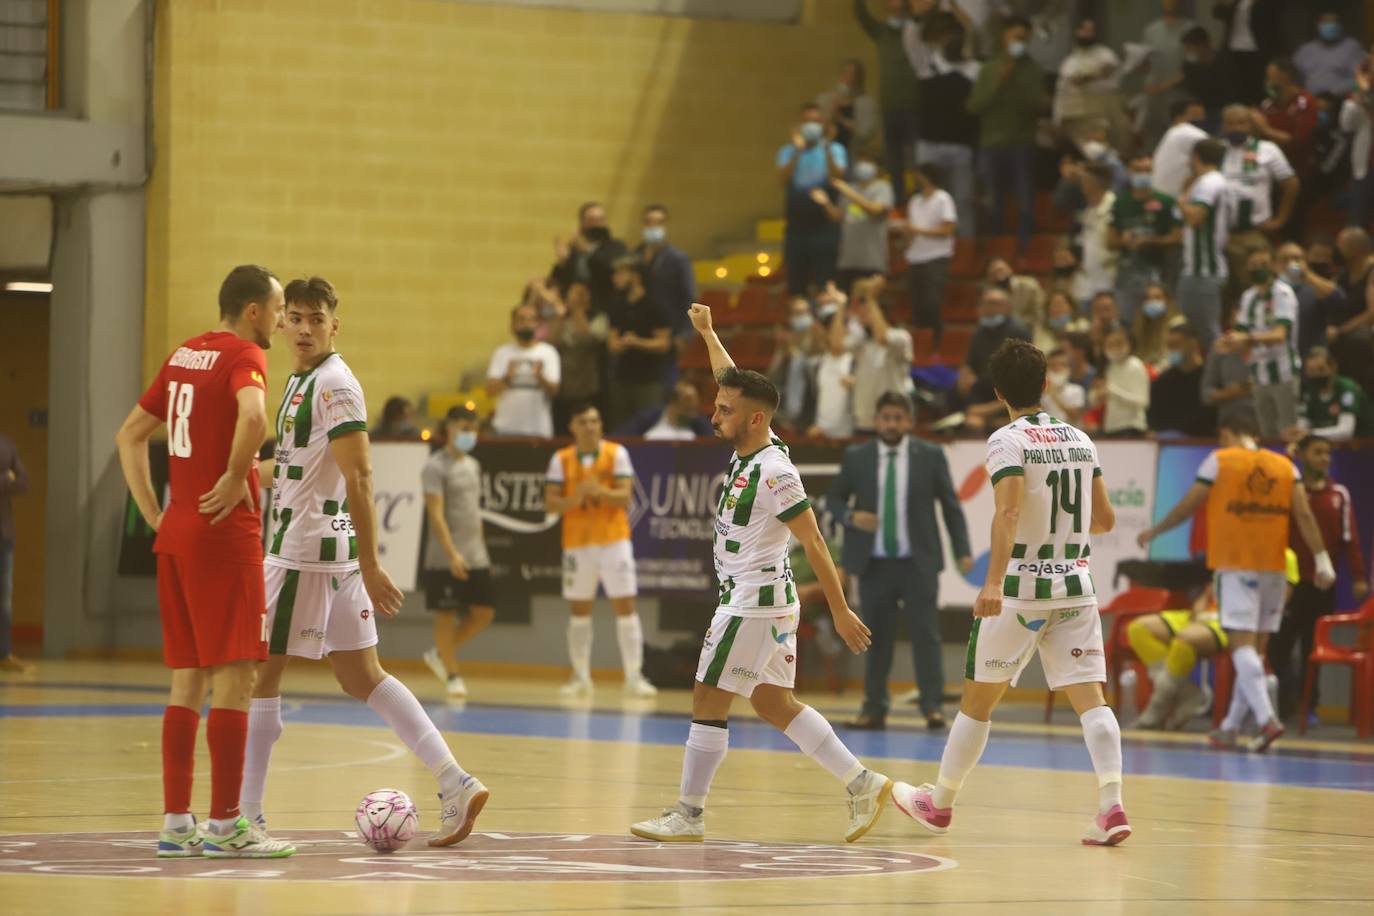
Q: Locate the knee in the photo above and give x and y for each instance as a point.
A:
(482, 616)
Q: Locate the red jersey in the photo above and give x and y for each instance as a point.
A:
(195, 392)
(1336, 521)
(1299, 119)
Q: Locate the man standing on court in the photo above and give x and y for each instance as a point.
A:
(1250, 495)
(211, 393)
(14, 480)
(883, 494)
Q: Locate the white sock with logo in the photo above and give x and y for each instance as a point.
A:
(1103, 737)
(629, 632)
(967, 738)
(264, 728)
(706, 747)
(394, 702)
(817, 740)
(580, 646)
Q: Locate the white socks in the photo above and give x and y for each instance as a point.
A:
(706, 746)
(1102, 734)
(816, 739)
(1235, 713)
(967, 738)
(1250, 683)
(630, 634)
(580, 646)
(394, 702)
(264, 728)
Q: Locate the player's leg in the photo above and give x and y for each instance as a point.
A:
(1272, 589)
(618, 580)
(264, 728)
(1194, 641)
(708, 739)
(1102, 735)
(580, 579)
(1150, 638)
(181, 718)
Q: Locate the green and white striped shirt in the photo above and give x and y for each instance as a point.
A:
(1263, 309)
(311, 527)
(1204, 245)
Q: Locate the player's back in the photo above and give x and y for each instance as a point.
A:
(1248, 508)
(196, 394)
(1049, 559)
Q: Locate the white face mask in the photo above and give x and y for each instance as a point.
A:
(1093, 149)
(1057, 379)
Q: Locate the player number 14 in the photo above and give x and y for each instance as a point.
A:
(179, 398)
(1058, 482)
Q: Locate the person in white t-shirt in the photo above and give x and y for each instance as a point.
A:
(1173, 157)
(1064, 398)
(1123, 388)
(1087, 89)
(523, 377)
(930, 225)
(1255, 169)
(835, 381)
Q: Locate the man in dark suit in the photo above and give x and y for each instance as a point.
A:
(883, 494)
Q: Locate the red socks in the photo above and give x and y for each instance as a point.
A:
(179, 726)
(227, 731)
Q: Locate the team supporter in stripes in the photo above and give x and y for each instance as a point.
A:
(751, 647)
(1266, 330)
(1050, 496)
(1206, 207)
(325, 581)
(210, 393)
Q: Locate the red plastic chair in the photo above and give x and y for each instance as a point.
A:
(1359, 656)
(1133, 602)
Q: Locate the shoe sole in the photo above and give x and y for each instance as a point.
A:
(646, 835)
(884, 795)
(1264, 742)
(179, 854)
(479, 801)
(1115, 838)
(920, 820)
(229, 854)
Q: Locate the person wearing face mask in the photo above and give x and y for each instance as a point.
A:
(898, 90)
(1123, 388)
(587, 257)
(1334, 407)
(1087, 89)
(1145, 226)
(1164, 77)
(523, 376)
(973, 385)
(949, 133)
(1206, 208)
(1254, 168)
(669, 279)
(1172, 162)
(1266, 330)
(1064, 398)
(1312, 307)
(1328, 62)
(1061, 317)
(1252, 35)
(679, 420)
(853, 112)
(1289, 117)
(929, 228)
(1066, 275)
(1204, 78)
(1027, 295)
(806, 166)
(793, 369)
(580, 338)
(863, 233)
(1150, 328)
(1176, 405)
(457, 567)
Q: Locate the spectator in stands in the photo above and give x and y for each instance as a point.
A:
(898, 93)
(1087, 89)
(1123, 388)
(863, 233)
(1334, 407)
(806, 166)
(1266, 328)
(1204, 77)
(1027, 295)
(1164, 77)
(1206, 219)
(579, 335)
(1357, 120)
(1226, 384)
(1144, 226)
(882, 360)
(995, 325)
(1253, 168)
(1099, 260)
(1008, 98)
(14, 481)
(1150, 329)
(523, 376)
(1328, 62)
(1288, 118)
(1079, 348)
(1176, 405)
(1063, 398)
(1312, 309)
(834, 378)
(1067, 274)
(853, 112)
(1252, 35)
(587, 257)
(639, 342)
(793, 369)
(930, 225)
(668, 277)
(1103, 316)
(1061, 317)
(1173, 157)
(678, 419)
(1348, 330)
(398, 422)
(949, 132)
(1331, 150)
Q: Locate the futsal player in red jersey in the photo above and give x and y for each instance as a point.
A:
(211, 395)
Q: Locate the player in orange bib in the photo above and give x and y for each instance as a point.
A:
(589, 483)
(1250, 495)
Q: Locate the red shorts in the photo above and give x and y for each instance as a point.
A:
(213, 612)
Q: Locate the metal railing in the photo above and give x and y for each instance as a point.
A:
(28, 54)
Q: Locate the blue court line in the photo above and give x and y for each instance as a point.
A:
(1140, 758)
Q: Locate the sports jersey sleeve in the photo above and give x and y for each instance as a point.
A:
(249, 369)
(554, 472)
(1207, 192)
(781, 491)
(154, 400)
(1276, 163)
(342, 407)
(1242, 322)
(624, 468)
(432, 480)
(1004, 456)
(1286, 307)
(1207, 471)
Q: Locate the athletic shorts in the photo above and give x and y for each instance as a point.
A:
(446, 592)
(1069, 640)
(742, 652)
(1250, 602)
(1177, 620)
(311, 613)
(213, 612)
(612, 566)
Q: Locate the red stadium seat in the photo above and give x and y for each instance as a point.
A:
(1039, 257)
(998, 246)
(717, 298)
(954, 344)
(961, 301)
(965, 262)
(1358, 655)
(922, 340)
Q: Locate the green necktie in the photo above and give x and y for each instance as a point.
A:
(890, 507)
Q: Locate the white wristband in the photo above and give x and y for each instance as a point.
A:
(1321, 565)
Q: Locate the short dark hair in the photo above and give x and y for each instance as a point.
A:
(394, 410)
(1318, 351)
(316, 292)
(933, 171)
(1197, 35)
(1289, 69)
(810, 106)
(460, 412)
(1309, 440)
(1240, 424)
(651, 208)
(750, 384)
(860, 71)
(1017, 371)
(1015, 22)
(582, 210)
(581, 407)
(1078, 340)
(1101, 172)
(628, 261)
(1210, 151)
(1179, 106)
(1184, 327)
(1116, 327)
(245, 283)
(895, 399)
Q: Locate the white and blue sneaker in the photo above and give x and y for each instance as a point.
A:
(458, 812)
(180, 844)
(245, 840)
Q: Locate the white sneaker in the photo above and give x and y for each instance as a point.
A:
(1192, 701)
(1271, 687)
(436, 664)
(576, 688)
(457, 687)
(640, 688)
(245, 840)
(673, 826)
(866, 805)
(180, 844)
(459, 813)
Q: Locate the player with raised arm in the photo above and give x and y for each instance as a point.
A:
(324, 577)
(1038, 596)
(210, 393)
(750, 649)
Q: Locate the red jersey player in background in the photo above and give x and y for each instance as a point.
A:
(211, 394)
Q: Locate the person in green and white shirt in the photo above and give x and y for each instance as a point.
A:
(1266, 330)
(1335, 407)
(1205, 206)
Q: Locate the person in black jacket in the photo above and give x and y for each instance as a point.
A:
(1252, 36)
(1176, 405)
(949, 132)
(589, 257)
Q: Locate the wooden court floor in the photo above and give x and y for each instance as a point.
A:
(1289, 833)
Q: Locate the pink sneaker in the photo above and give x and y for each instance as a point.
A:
(1267, 736)
(1108, 829)
(917, 804)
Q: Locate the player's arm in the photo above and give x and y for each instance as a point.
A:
(249, 432)
(132, 442)
(1324, 573)
(1104, 513)
(439, 530)
(1006, 516)
(1187, 507)
(847, 624)
(618, 494)
(350, 453)
(701, 320)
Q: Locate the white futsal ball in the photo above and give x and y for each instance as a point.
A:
(387, 820)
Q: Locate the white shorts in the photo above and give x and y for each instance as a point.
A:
(740, 653)
(1251, 602)
(1069, 640)
(612, 566)
(311, 613)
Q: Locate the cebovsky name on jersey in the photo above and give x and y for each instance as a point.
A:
(186, 358)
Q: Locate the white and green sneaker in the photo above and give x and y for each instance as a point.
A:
(676, 825)
(245, 841)
(180, 844)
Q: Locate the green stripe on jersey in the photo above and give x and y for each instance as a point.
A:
(329, 548)
(285, 522)
(1018, 551)
(1073, 586)
(295, 472)
(765, 596)
(972, 654)
(1046, 552)
(303, 416)
(1008, 472)
(1042, 588)
(727, 641)
(744, 506)
(286, 606)
(1011, 586)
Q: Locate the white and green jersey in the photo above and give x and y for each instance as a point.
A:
(1204, 245)
(1263, 309)
(1049, 559)
(311, 527)
(762, 491)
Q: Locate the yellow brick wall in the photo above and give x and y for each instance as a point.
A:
(422, 155)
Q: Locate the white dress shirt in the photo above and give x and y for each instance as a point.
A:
(902, 451)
